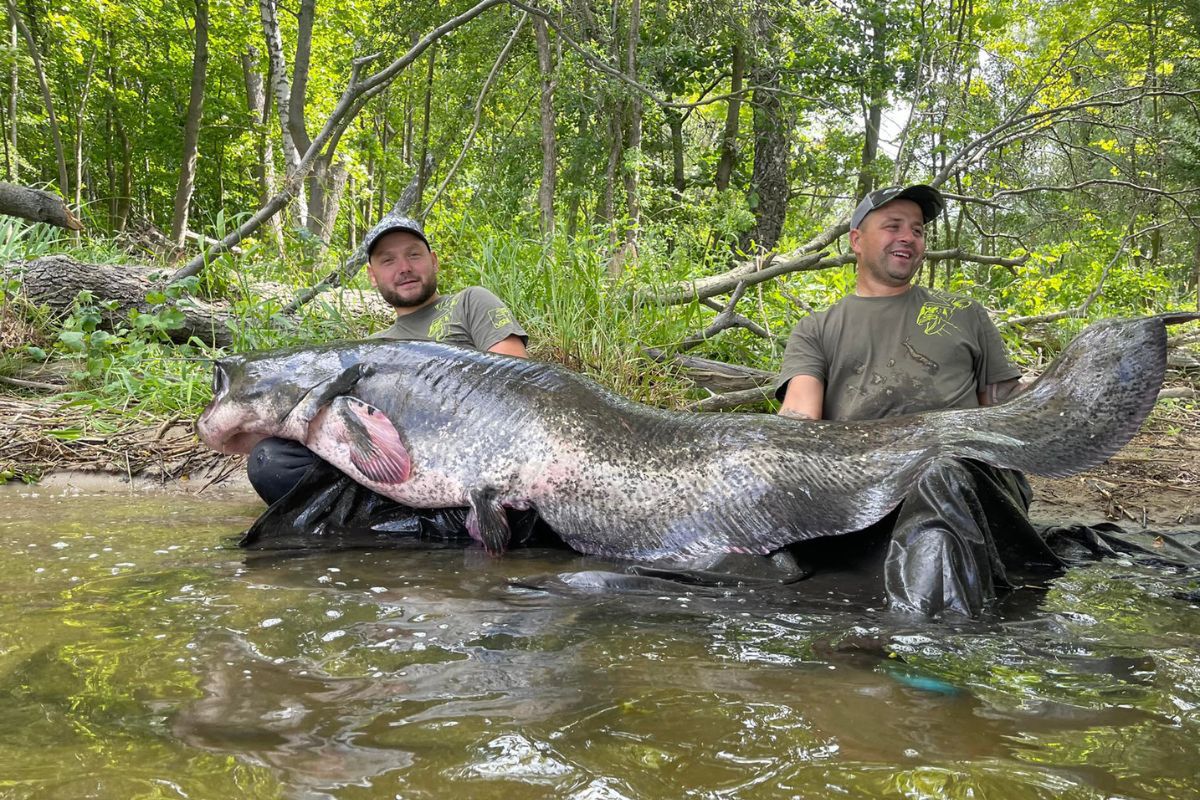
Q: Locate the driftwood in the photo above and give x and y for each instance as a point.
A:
(715, 376)
(55, 281)
(37, 206)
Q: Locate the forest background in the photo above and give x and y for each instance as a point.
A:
(657, 188)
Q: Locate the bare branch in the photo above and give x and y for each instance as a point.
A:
(687, 291)
(721, 402)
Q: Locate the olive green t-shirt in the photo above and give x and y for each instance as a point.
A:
(884, 356)
(473, 318)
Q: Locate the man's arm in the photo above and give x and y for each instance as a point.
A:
(510, 345)
(1000, 392)
(804, 399)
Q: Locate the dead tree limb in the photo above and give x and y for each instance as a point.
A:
(721, 402)
(701, 288)
(55, 281)
(715, 376)
(36, 205)
(727, 317)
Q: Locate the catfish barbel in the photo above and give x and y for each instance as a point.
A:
(434, 426)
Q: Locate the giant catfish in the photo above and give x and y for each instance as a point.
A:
(430, 425)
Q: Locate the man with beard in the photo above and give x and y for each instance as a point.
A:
(892, 348)
(403, 268)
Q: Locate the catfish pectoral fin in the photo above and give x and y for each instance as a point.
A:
(376, 448)
(487, 522)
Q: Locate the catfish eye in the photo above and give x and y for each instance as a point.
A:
(220, 381)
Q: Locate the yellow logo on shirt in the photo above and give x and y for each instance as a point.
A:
(501, 317)
(935, 315)
(440, 327)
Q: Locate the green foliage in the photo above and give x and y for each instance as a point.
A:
(1070, 189)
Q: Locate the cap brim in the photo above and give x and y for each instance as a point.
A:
(395, 228)
(928, 198)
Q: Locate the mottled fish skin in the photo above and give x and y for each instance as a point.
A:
(619, 479)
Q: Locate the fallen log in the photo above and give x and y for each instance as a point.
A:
(55, 281)
(36, 205)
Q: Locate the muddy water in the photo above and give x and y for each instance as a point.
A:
(141, 657)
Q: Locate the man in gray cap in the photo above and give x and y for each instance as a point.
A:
(403, 268)
(894, 348)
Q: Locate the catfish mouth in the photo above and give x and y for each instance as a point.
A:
(240, 442)
(230, 441)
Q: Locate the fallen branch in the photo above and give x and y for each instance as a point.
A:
(24, 384)
(36, 205)
(720, 402)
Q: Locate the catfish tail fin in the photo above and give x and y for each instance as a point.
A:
(1090, 402)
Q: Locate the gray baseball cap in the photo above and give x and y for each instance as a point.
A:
(928, 198)
(390, 223)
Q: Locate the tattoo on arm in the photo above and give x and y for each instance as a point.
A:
(791, 413)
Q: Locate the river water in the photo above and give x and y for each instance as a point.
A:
(141, 656)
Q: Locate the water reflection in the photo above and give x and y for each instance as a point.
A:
(141, 658)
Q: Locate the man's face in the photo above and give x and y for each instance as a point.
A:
(890, 243)
(403, 270)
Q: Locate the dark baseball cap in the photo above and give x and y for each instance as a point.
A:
(928, 198)
(390, 223)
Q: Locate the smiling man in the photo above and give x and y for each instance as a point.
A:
(895, 348)
(403, 268)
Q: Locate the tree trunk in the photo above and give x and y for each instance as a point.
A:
(298, 100)
(732, 118)
(125, 198)
(576, 171)
(79, 120)
(13, 74)
(191, 128)
(632, 172)
(678, 181)
(36, 205)
(259, 103)
(47, 97)
(608, 197)
(769, 181)
(328, 186)
(549, 154)
(873, 104)
(281, 89)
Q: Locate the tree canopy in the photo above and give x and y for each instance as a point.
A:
(700, 152)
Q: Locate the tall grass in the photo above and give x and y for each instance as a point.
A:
(574, 313)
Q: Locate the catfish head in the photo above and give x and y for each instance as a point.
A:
(275, 393)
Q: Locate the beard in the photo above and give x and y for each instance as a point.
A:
(396, 300)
